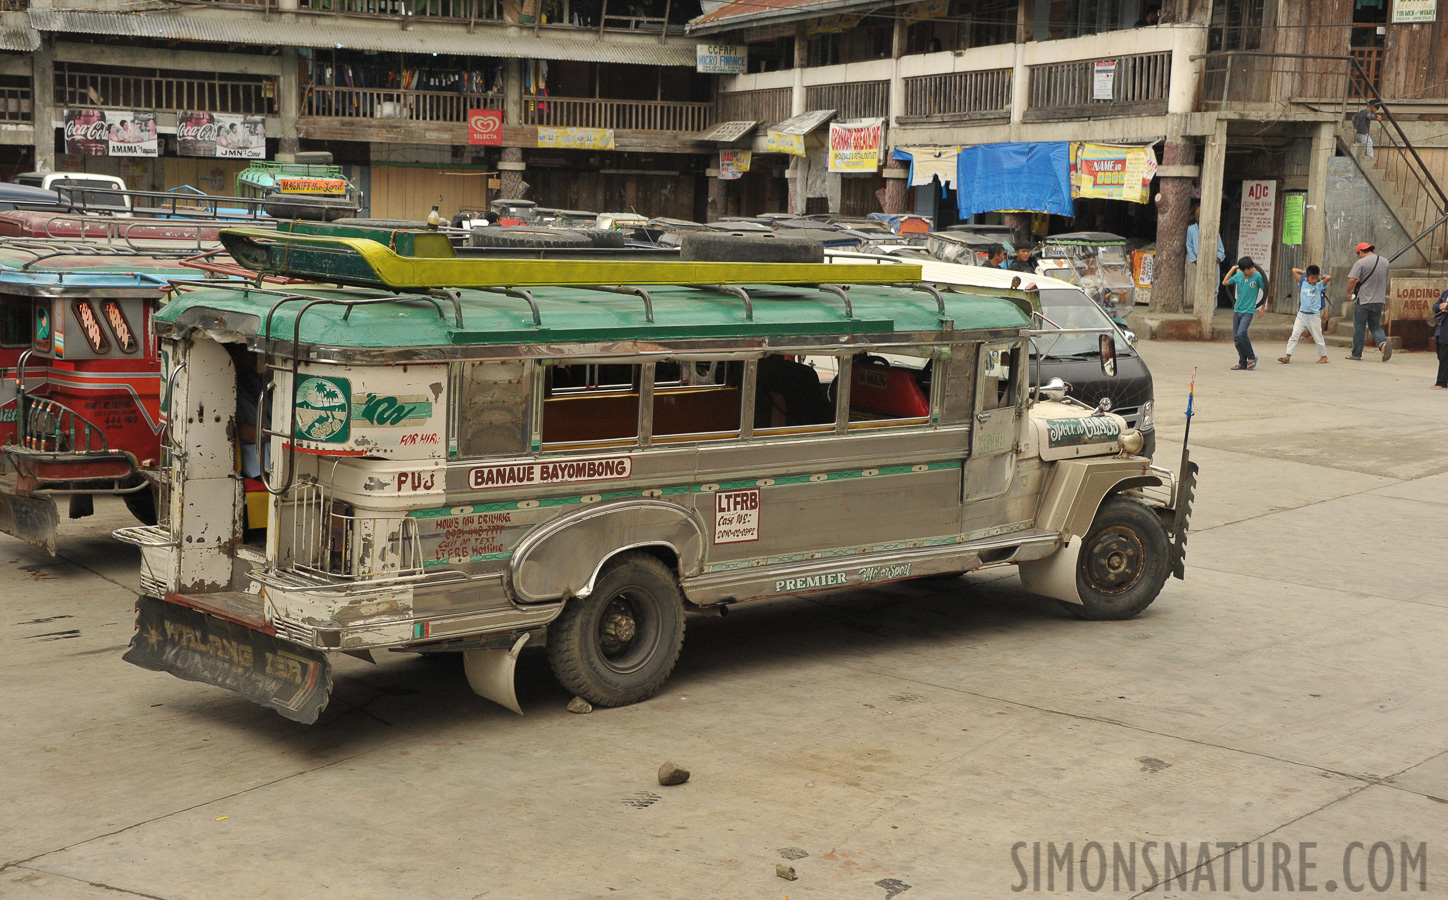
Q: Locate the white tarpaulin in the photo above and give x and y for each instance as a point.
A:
(927, 163)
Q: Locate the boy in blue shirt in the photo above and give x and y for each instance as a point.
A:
(1311, 311)
(1251, 301)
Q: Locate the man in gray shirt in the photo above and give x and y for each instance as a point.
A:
(1367, 284)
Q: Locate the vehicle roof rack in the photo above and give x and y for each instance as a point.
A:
(367, 263)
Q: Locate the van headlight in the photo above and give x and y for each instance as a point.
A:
(1147, 422)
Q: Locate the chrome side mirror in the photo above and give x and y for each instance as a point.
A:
(1131, 337)
(1055, 389)
(1108, 355)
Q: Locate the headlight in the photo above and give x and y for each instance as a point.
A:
(1147, 422)
(1132, 442)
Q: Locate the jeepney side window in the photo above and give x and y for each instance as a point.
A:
(890, 390)
(14, 324)
(697, 400)
(792, 396)
(491, 407)
(590, 404)
(1002, 374)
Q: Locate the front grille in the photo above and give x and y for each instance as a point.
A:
(1132, 415)
(151, 586)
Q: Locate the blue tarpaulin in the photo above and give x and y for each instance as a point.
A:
(1032, 176)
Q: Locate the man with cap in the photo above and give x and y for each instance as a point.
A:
(1367, 284)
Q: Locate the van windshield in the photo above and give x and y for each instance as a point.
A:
(1072, 309)
(68, 188)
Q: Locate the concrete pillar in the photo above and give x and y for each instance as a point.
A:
(510, 168)
(1314, 219)
(1020, 86)
(897, 177)
(1214, 163)
(513, 92)
(289, 101)
(718, 196)
(42, 104)
(1173, 214)
(834, 189)
(801, 57)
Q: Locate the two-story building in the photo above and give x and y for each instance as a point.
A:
(599, 99)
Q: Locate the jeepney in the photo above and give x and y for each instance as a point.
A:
(307, 187)
(482, 455)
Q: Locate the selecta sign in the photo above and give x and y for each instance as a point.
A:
(485, 127)
(855, 145)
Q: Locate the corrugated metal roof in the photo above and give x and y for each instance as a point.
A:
(742, 13)
(20, 40)
(302, 30)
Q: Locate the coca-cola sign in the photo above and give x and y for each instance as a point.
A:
(110, 132)
(220, 135)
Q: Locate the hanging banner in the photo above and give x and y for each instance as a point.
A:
(576, 138)
(921, 10)
(783, 142)
(485, 127)
(1406, 12)
(113, 132)
(855, 145)
(721, 59)
(1112, 172)
(220, 135)
(1258, 228)
(733, 163)
(835, 24)
(1292, 213)
(1103, 82)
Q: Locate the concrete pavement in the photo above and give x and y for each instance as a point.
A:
(905, 738)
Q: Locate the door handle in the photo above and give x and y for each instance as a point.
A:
(981, 417)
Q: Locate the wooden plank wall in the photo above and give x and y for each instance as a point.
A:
(214, 176)
(1415, 63)
(1319, 28)
(408, 192)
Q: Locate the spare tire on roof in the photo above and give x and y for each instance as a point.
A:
(383, 224)
(313, 158)
(530, 238)
(601, 237)
(706, 247)
(314, 209)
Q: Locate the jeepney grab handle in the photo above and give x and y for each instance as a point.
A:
(261, 433)
(166, 407)
(840, 292)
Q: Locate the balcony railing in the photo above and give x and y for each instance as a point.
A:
(859, 100)
(15, 104)
(983, 94)
(379, 103)
(1066, 90)
(770, 106)
(152, 89)
(633, 115)
(14, 5)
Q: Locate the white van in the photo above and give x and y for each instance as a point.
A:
(70, 183)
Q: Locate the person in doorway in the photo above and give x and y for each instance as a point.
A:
(995, 257)
(1151, 17)
(1194, 237)
(1023, 261)
(1311, 311)
(1440, 337)
(1251, 302)
(1362, 124)
(1367, 285)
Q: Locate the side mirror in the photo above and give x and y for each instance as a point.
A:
(1108, 355)
(1131, 337)
(1055, 389)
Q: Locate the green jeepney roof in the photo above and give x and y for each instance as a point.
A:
(579, 315)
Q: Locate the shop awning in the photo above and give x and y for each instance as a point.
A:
(1023, 176)
(804, 123)
(728, 132)
(929, 163)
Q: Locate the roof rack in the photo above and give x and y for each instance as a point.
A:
(367, 263)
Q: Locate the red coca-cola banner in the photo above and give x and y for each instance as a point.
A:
(485, 127)
(110, 132)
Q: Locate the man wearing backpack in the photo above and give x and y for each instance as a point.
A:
(1367, 284)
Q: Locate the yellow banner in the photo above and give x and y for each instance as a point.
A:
(918, 12)
(783, 142)
(855, 146)
(576, 138)
(1112, 172)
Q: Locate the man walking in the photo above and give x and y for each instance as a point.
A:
(1194, 237)
(1251, 301)
(1311, 311)
(1362, 123)
(1440, 336)
(1367, 284)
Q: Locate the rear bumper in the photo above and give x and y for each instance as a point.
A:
(41, 472)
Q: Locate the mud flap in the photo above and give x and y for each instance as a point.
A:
(1054, 576)
(1186, 493)
(32, 519)
(490, 673)
(293, 680)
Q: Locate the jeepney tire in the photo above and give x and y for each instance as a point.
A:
(636, 593)
(382, 224)
(529, 238)
(602, 237)
(312, 157)
(697, 247)
(142, 505)
(1125, 559)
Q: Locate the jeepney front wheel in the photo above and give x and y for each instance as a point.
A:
(1125, 559)
(618, 645)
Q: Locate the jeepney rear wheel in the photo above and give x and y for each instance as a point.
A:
(618, 645)
(142, 505)
(1125, 559)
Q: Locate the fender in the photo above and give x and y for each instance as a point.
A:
(562, 557)
(1075, 488)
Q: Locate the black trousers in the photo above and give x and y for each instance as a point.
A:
(1442, 364)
